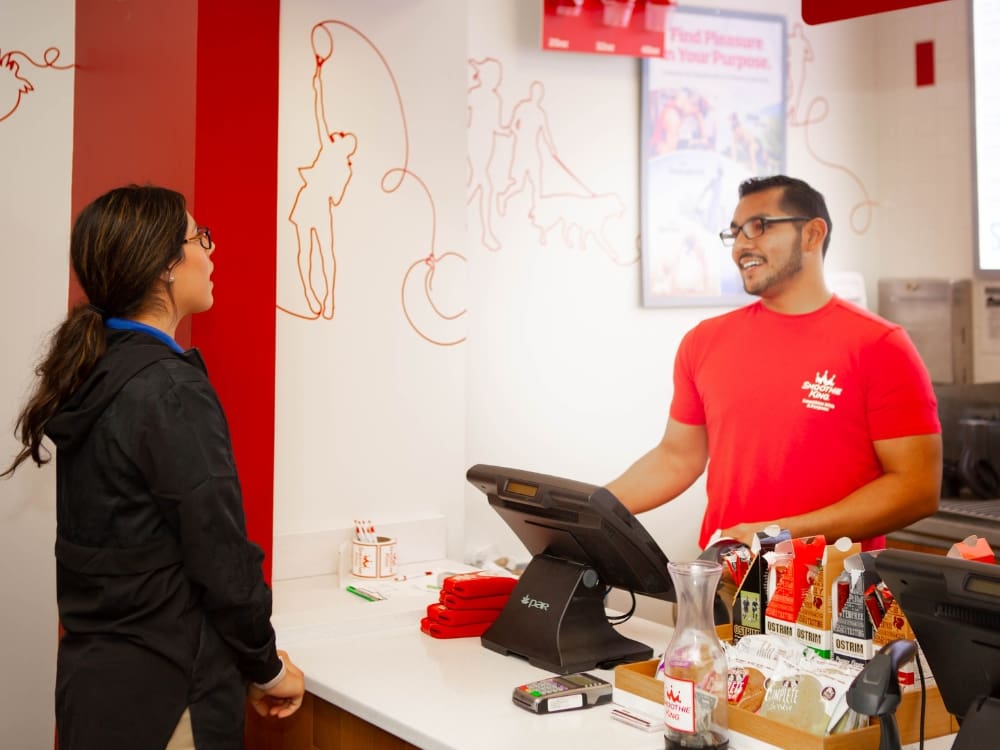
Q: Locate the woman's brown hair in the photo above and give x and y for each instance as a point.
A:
(120, 246)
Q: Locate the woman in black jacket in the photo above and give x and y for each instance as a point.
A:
(161, 595)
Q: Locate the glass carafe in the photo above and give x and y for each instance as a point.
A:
(694, 664)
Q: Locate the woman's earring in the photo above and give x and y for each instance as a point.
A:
(171, 279)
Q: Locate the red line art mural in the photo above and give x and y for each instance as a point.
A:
(14, 84)
(485, 123)
(418, 294)
(529, 127)
(324, 182)
(806, 116)
(523, 149)
(329, 179)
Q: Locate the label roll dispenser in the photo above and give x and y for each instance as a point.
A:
(583, 542)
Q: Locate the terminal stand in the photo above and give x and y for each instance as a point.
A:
(555, 618)
(980, 727)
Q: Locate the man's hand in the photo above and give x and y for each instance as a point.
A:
(744, 532)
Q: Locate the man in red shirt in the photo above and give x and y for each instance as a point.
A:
(809, 412)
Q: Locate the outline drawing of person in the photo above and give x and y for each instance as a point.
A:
(324, 184)
(529, 124)
(485, 122)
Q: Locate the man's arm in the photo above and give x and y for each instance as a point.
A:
(665, 471)
(908, 491)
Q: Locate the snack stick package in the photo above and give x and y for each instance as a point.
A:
(794, 559)
(751, 594)
(779, 584)
(751, 598)
(814, 624)
(854, 628)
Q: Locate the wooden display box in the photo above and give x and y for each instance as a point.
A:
(639, 679)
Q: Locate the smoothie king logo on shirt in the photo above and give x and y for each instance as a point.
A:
(821, 392)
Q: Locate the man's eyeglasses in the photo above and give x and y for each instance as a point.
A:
(204, 237)
(755, 227)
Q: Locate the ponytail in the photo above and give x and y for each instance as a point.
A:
(73, 351)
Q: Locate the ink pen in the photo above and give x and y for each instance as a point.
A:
(403, 577)
(363, 594)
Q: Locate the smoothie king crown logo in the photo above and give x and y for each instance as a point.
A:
(821, 391)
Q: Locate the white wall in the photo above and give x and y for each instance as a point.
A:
(568, 375)
(925, 146)
(35, 148)
(370, 409)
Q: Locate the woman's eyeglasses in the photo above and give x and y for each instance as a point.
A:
(204, 237)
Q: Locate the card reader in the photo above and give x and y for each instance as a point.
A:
(563, 693)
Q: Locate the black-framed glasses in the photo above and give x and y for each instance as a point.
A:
(755, 227)
(204, 237)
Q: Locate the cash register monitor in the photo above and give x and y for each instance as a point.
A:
(582, 541)
(953, 606)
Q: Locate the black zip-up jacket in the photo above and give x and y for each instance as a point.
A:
(160, 592)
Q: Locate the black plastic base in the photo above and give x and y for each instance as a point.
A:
(980, 727)
(555, 619)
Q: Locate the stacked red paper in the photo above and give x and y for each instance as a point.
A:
(468, 605)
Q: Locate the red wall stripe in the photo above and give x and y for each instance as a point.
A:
(133, 101)
(236, 194)
(185, 95)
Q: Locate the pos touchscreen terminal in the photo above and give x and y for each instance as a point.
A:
(953, 606)
(583, 542)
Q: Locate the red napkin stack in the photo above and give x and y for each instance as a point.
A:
(468, 605)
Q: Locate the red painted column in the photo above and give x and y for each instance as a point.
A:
(184, 94)
(236, 194)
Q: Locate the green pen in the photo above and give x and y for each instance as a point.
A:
(363, 594)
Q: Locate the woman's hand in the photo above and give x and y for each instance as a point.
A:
(285, 698)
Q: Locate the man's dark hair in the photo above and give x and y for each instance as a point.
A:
(798, 198)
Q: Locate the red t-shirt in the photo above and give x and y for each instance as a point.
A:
(792, 403)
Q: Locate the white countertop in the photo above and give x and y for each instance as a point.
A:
(371, 659)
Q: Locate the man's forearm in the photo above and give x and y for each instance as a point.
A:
(650, 482)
